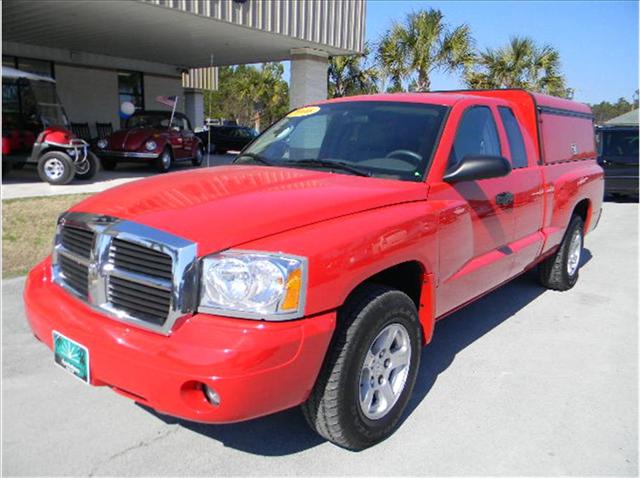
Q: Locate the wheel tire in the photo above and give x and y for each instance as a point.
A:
(94, 167)
(333, 409)
(163, 162)
(56, 167)
(199, 157)
(108, 164)
(561, 270)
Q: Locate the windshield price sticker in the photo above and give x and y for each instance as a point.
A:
(309, 110)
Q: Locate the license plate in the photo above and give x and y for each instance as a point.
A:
(71, 356)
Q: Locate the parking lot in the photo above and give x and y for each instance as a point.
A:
(524, 381)
(26, 183)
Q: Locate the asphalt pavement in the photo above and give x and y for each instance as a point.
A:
(522, 382)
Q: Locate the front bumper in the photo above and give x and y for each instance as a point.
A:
(256, 367)
(124, 154)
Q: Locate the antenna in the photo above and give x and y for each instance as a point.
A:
(209, 116)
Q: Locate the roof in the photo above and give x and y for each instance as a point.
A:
(629, 118)
(8, 72)
(449, 98)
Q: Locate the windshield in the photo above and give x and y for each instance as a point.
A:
(48, 104)
(383, 139)
(149, 120)
(31, 105)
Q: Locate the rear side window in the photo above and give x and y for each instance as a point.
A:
(477, 135)
(514, 135)
(620, 143)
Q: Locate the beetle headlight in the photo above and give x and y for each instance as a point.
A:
(253, 285)
(150, 145)
(102, 143)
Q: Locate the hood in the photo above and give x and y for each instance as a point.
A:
(227, 206)
(130, 139)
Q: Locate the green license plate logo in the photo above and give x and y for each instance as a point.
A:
(71, 356)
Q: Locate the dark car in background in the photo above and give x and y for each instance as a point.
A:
(227, 138)
(153, 137)
(618, 156)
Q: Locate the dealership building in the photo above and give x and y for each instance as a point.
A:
(103, 53)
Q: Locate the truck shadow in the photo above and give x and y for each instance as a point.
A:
(286, 432)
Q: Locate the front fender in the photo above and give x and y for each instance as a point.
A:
(346, 251)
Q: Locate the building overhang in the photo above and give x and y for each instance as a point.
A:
(153, 32)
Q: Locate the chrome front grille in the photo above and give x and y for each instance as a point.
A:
(129, 271)
(145, 301)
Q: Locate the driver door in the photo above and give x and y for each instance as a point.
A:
(477, 223)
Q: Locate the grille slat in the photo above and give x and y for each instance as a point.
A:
(75, 275)
(145, 289)
(138, 249)
(161, 303)
(78, 241)
(140, 259)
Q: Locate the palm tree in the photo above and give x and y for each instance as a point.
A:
(520, 64)
(411, 51)
(351, 75)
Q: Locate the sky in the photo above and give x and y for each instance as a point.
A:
(597, 40)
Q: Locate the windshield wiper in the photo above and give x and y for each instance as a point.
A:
(256, 157)
(327, 163)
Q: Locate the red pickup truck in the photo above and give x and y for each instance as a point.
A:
(313, 269)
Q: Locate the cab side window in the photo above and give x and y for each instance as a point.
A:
(514, 135)
(477, 135)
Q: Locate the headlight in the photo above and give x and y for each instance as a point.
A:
(150, 145)
(102, 143)
(253, 285)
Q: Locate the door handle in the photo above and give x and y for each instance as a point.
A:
(504, 199)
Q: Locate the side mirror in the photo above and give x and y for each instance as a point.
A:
(472, 168)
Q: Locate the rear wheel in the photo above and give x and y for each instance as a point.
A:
(198, 157)
(163, 162)
(560, 271)
(88, 168)
(56, 167)
(370, 369)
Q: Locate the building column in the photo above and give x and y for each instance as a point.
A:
(308, 76)
(194, 107)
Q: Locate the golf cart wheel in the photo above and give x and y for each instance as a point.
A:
(108, 164)
(198, 157)
(56, 167)
(163, 162)
(87, 168)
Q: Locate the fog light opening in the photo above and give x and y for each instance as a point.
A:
(212, 396)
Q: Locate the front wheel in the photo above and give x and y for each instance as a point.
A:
(56, 167)
(163, 162)
(87, 168)
(370, 369)
(560, 271)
